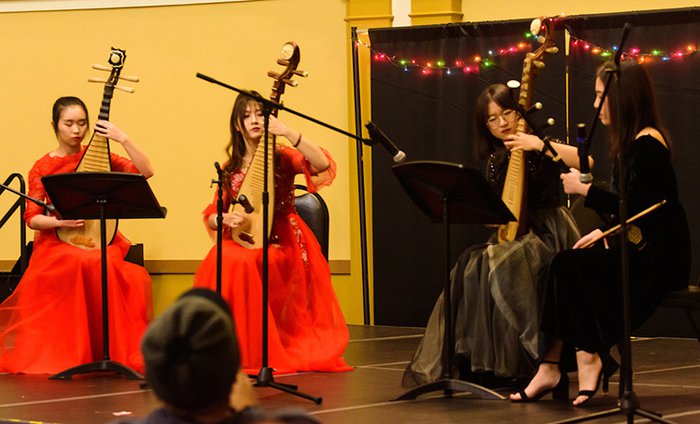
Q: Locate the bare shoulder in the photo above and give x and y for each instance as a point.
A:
(653, 132)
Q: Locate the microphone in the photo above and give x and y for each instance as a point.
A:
(378, 136)
(586, 176)
(243, 201)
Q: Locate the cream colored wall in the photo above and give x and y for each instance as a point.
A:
(179, 120)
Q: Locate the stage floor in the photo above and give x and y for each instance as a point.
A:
(667, 381)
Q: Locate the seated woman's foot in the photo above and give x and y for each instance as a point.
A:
(590, 368)
(548, 378)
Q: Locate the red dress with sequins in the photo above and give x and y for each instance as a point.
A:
(306, 331)
(53, 319)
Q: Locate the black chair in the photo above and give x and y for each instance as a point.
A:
(314, 211)
(687, 300)
(9, 280)
(586, 219)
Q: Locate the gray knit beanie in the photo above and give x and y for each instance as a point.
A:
(191, 352)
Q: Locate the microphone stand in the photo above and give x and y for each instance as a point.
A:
(628, 403)
(279, 106)
(44, 205)
(242, 200)
(265, 377)
(219, 222)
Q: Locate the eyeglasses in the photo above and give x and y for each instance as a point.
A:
(507, 115)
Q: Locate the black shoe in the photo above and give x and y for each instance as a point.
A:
(608, 368)
(559, 392)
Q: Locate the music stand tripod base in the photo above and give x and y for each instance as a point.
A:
(450, 193)
(99, 366)
(265, 379)
(449, 386)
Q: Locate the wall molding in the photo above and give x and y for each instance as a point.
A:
(46, 5)
(186, 266)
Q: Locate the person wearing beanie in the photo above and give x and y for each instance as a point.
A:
(192, 362)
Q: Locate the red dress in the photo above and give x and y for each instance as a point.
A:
(53, 320)
(306, 331)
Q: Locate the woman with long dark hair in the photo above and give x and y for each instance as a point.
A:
(497, 287)
(584, 298)
(306, 328)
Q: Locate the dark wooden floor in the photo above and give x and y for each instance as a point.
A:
(667, 380)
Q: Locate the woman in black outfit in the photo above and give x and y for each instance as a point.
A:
(497, 288)
(583, 306)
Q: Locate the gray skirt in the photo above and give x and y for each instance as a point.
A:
(497, 293)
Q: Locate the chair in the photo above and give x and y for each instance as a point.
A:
(688, 300)
(9, 280)
(586, 219)
(314, 211)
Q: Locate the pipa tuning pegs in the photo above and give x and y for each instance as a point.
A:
(535, 107)
(130, 78)
(124, 88)
(118, 87)
(108, 69)
(101, 67)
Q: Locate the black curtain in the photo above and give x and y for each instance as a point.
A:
(430, 116)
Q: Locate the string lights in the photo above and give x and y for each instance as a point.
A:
(646, 56)
(466, 65)
(474, 63)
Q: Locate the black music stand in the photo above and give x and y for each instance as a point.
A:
(450, 193)
(102, 195)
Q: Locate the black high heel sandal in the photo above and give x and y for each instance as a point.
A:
(559, 392)
(609, 367)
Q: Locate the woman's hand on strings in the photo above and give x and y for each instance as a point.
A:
(522, 141)
(234, 219)
(110, 131)
(70, 223)
(277, 127)
(595, 234)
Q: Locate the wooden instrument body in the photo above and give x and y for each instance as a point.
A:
(515, 186)
(250, 234)
(96, 158)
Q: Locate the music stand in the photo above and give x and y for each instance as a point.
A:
(102, 195)
(450, 193)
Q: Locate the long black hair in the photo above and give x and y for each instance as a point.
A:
(500, 94)
(236, 148)
(631, 104)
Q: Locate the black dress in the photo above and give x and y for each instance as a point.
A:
(498, 288)
(583, 302)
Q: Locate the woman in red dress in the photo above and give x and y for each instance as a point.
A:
(306, 328)
(53, 320)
